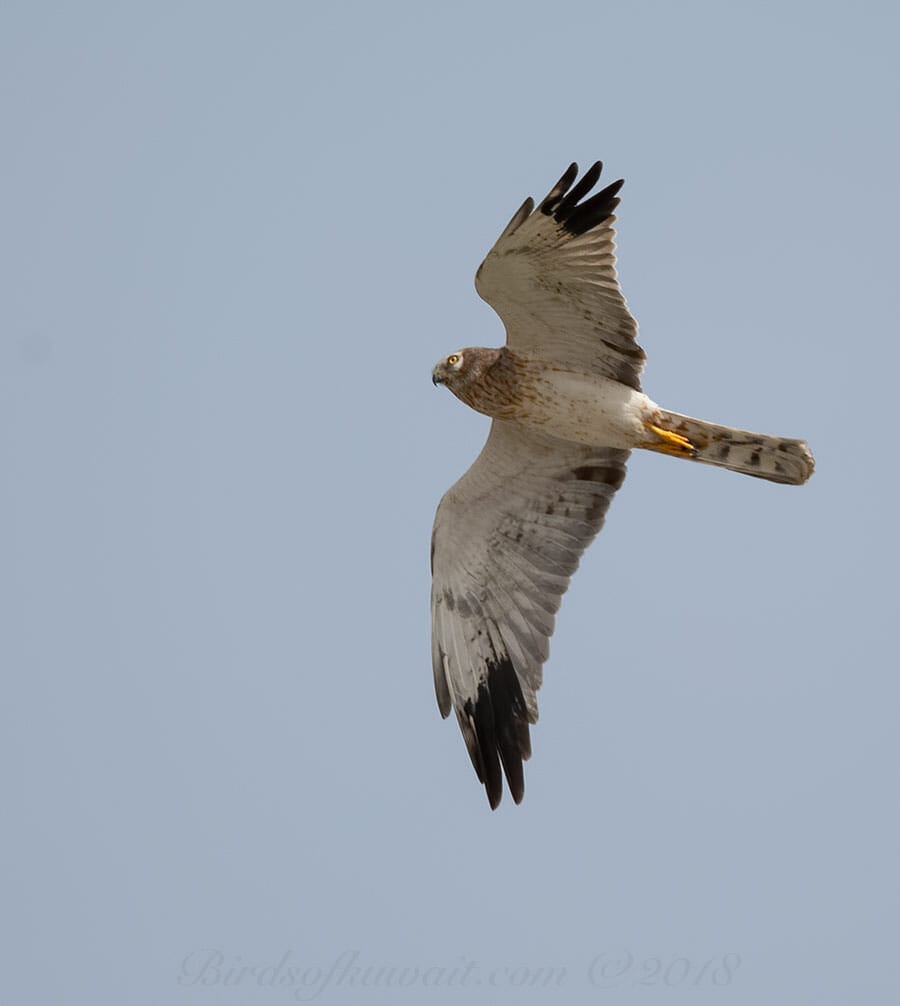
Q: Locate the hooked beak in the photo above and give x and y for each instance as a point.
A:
(436, 377)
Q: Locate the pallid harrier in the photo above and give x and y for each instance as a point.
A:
(565, 398)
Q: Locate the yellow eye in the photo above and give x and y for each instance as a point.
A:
(453, 359)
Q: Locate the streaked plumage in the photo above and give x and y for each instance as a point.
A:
(567, 407)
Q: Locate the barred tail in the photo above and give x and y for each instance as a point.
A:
(774, 458)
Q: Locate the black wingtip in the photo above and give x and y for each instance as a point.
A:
(551, 200)
(588, 180)
(501, 742)
(565, 204)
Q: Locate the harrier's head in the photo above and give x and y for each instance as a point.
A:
(460, 369)
(449, 369)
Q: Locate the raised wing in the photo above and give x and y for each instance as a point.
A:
(507, 537)
(551, 277)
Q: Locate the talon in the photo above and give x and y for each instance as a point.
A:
(671, 443)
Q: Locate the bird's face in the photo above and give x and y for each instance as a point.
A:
(448, 369)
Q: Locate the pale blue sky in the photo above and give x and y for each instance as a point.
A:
(235, 239)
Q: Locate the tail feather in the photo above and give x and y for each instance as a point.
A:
(777, 459)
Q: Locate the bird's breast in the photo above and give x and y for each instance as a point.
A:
(585, 408)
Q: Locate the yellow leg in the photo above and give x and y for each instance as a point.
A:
(669, 443)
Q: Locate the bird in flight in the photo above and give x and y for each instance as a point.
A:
(564, 396)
